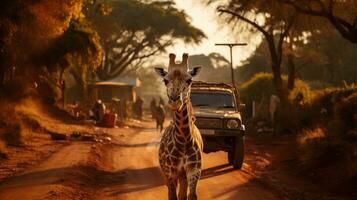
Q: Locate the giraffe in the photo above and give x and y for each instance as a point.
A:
(181, 144)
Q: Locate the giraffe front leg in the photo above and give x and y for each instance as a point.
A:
(193, 177)
(172, 184)
(183, 186)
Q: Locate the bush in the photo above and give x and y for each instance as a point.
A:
(329, 106)
(257, 88)
(261, 87)
(332, 146)
(344, 122)
(317, 149)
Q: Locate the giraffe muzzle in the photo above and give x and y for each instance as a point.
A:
(174, 98)
(174, 102)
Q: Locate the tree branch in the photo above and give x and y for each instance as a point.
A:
(240, 17)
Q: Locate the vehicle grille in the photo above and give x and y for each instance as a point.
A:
(208, 123)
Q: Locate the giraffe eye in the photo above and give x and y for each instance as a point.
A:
(188, 81)
(166, 81)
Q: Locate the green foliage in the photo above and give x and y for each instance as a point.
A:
(325, 104)
(325, 61)
(162, 16)
(76, 52)
(136, 30)
(79, 41)
(260, 88)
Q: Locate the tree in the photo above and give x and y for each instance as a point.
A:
(77, 51)
(28, 28)
(328, 58)
(274, 21)
(325, 60)
(136, 30)
(341, 14)
(40, 40)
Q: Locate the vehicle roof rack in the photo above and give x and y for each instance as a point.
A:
(211, 85)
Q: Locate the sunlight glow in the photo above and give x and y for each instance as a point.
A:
(206, 18)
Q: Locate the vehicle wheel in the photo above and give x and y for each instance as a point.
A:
(236, 155)
(230, 157)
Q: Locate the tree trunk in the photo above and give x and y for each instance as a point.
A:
(291, 73)
(276, 66)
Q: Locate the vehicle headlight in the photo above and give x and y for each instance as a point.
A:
(232, 123)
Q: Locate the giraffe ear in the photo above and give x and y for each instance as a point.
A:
(160, 71)
(195, 71)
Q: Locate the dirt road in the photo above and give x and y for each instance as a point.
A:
(126, 168)
(136, 156)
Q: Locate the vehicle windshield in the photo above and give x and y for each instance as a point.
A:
(218, 100)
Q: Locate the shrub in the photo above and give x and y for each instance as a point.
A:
(344, 122)
(332, 146)
(317, 149)
(257, 88)
(329, 97)
(261, 87)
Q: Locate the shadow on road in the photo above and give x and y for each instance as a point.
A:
(216, 171)
(145, 144)
(137, 180)
(118, 182)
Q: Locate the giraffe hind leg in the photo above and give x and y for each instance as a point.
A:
(183, 186)
(193, 178)
(172, 190)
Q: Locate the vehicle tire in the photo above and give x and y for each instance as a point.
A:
(236, 155)
(230, 156)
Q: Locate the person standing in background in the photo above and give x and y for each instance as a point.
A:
(153, 107)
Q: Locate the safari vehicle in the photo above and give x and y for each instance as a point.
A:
(217, 112)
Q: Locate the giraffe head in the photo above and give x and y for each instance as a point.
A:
(178, 80)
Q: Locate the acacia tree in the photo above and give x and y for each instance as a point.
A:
(134, 31)
(341, 14)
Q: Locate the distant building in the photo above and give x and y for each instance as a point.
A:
(117, 88)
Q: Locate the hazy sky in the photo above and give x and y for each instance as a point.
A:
(206, 18)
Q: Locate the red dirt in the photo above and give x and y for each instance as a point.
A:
(127, 168)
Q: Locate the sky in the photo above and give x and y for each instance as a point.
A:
(206, 18)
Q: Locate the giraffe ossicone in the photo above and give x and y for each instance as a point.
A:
(180, 152)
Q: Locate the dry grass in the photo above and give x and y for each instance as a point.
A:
(16, 121)
(333, 110)
(311, 135)
(319, 150)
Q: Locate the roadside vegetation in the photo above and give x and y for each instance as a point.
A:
(47, 47)
(307, 59)
(324, 123)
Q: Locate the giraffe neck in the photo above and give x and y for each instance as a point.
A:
(184, 119)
